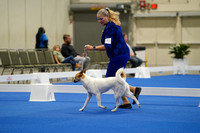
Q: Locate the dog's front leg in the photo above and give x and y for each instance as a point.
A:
(117, 103)
(98, 96)
(89, 96)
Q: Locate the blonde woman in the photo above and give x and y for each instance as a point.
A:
(113, 42)
(60, 59)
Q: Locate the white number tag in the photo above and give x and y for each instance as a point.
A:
(108, 41)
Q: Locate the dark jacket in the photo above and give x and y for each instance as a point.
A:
(68, 50)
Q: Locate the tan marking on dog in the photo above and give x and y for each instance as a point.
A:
(79, 76)
(123, 75)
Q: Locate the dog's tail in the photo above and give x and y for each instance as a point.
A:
(120, 74)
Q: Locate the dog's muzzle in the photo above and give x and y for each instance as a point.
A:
(75, 80)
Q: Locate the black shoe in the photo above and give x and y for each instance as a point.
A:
(137, 93)
(133, 74)
(125, 106)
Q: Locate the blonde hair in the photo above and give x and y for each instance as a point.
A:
(113, 16)
(55, 46)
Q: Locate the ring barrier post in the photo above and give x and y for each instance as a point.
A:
(142, 72)
(41, 89)
(94, 73)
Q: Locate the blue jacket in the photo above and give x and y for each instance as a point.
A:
(113, 40)
(43, 41)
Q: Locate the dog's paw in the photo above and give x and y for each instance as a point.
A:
(103, 107)
(80, 109)
(113, 110)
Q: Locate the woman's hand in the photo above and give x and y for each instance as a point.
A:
(88, 47)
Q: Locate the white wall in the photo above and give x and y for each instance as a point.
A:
(191, 30)
(20, 20)
(158, 32)
(155, 30)
(4, 34)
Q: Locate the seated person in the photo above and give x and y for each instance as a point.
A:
(135, 61)
(60, 59)
(68, 50)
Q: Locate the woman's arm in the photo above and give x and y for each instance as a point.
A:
(90, 47)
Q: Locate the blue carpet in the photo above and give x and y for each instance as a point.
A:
(177, 81)
(158, 114)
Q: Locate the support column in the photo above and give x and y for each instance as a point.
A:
(134, 31)
(178, 30)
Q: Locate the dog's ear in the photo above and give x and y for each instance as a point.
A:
(81, 71)
(84, 70)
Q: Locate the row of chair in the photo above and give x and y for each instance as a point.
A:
(29, 59)
(98, 59)
(43, 60)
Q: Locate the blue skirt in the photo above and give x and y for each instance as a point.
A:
(117, 63)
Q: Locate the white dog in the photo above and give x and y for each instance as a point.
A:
(97, 86)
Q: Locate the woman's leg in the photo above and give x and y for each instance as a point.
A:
(124, 99)
(136, 92)
(114, 64)
(132, 89)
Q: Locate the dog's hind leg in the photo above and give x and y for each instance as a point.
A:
(89, 96)
(134, 98)
(98, 96)
(117, 104)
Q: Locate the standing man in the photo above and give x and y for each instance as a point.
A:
(68, 50)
